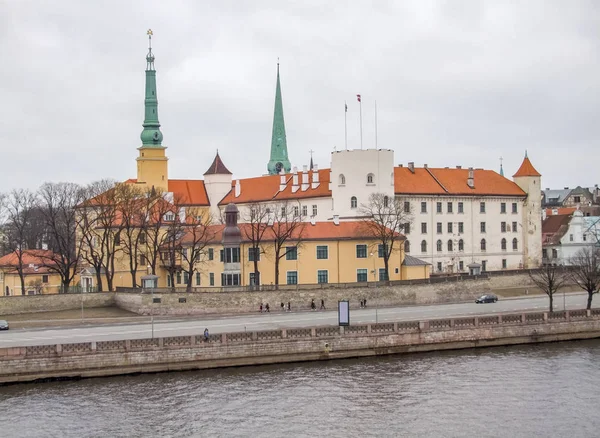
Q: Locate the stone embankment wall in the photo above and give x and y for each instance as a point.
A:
(105, 358)
(12, 305)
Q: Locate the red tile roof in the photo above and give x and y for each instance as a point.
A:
(560, 211)
(40, 258)
(186, 191)
(446, 181)
(554, 228)
(527, 169)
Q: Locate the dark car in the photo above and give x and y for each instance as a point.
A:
(487, 299)
(3, 324)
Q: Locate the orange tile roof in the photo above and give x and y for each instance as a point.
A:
(446, 181)
(560, 211)
(188, 191)
(37, 257)
(321, 191)
(527, 169)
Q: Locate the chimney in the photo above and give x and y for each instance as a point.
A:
(566, 188)
(330, 179)
(281, 181)
(238, 188)
(336, 219)
(459, 167)
(304, 178)
(554, 211)
(295, 185)
(471, 178)
(425, 165)
(411, 166)
(313, 221)
(315, 177)
(400, 165)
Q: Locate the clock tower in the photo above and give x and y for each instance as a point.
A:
(279, 153)
(152, 168)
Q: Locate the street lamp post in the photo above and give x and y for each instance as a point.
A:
(375, 279)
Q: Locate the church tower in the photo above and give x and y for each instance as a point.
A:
(152, 168)
(279, 153)
(529, 180)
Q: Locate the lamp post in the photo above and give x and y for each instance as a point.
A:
(375, 279)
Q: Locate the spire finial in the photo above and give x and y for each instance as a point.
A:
(311, 159)
(526, 153)
(501, 169)
(150, 55)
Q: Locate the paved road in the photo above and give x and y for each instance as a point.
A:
(276, 320)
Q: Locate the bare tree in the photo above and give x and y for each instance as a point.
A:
(133, 221)
(196, 237)
(157, 210)
(585, 271)
(170, 246)
(287, 227)
(20, 207)
(58, 202)
(384, 219)
(257, 223)
(550, 279)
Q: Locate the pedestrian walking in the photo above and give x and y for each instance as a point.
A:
(362, 304)
(206, 335)
(261, 308)
(282, 306)
(322, 304)
(312, 304)
(267, 308)
(289, 307)
(365, 302)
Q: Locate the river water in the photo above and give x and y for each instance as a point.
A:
(527, 391)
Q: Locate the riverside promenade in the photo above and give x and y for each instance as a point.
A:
(108, 358)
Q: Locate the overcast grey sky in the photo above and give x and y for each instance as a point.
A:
(456, 83)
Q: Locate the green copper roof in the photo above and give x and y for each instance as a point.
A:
(151, 135)
(279, 154)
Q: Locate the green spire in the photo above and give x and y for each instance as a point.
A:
(279, 154)
(151, 135)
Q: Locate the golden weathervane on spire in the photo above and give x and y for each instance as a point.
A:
(149, 32)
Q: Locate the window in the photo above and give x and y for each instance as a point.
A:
(450, 245)
(253, 254)
(381, 250)
(370, 178)
(439, 227)
(296, 211)
(406, 246)
(292, 277)
(117, 239)
(283, 212)
(503, 244)
(169, 281)
(449, 207)
(514, 207)
(406, 207)
(197, 278)
(554, 253)
(383, 275)
(483, 265)
(322, 276)
(211, 254)
(305, 210)
(423, 207)
(361, 275)
(570, 237)
(322, 252)
(461, 266)
(221, 255)
(503, 207)
(482, 227)
(169, 216)
(438, 207)
(211, 279)
(423, 246)
(143, 260)
(577, 199)
(461, 245)
(514, 227)
(503, 227)
(353, 202)
(143, 238)
(585, 237)
(314, 209)
(424, 227)
(407, 228)
(439, 266)
(254, 279)
(461, 227)
(386, 201)
(503, 263)
(483, 244)
(515, 244)
(438, 245)
(342, 181)
(178, 277)
(361, 251)
(450, 227)
(232, 255)
(230, 279)
(482, 207)
(461, 208)
(186, 278)
(291, 253)
(544, 253)
(45, 278)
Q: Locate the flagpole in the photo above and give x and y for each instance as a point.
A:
(346, 124)
(375, 124)
(360, 107)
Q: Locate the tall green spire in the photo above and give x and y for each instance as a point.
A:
(279, 154)
(151, 135)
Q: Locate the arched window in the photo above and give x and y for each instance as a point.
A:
(461, 245)
(423, 246)
(503, 244)
(386, 201)
(438, 245)
(515, 244)
(342, 179)
(353, 202)
(483, 244)
(450, 246)
(406, 246)
(370, 178)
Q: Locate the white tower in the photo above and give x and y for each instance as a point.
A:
(217, 181)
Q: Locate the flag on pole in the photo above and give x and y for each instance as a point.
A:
(346, 106)
(358, 97)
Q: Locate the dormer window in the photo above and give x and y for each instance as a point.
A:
(353, 202)
(370, 178)
(170, 216)
(342, 179)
